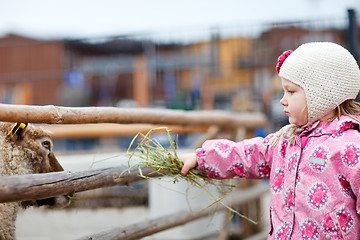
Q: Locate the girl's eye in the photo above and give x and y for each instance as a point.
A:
(290, 91)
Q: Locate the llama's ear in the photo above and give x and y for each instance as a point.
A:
(17, 129)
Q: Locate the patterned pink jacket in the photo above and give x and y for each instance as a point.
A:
(314, 184)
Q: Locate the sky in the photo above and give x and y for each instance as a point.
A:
(51, 19)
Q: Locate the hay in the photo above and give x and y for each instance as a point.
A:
(149, 153)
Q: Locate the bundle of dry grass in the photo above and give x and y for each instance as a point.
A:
(149, 153)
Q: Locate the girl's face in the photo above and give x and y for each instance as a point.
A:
(294, 102)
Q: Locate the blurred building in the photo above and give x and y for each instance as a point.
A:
(233, 71)
(30, 70)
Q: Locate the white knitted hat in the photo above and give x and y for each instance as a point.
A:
(327, 72)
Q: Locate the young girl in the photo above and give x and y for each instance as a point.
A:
(314, 162)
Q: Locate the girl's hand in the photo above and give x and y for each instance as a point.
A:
(190, 162)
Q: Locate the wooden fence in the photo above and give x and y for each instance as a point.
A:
(38, 186)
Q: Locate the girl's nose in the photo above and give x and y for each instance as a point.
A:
(283, 101)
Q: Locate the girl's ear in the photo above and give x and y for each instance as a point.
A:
(17, 129)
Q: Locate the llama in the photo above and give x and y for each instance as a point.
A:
(25, 149)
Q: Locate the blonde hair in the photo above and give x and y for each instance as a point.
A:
(349, 108)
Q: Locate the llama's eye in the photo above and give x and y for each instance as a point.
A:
(46, 144)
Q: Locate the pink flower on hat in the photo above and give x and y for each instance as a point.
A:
(281, 59)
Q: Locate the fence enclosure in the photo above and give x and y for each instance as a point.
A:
(38, 186)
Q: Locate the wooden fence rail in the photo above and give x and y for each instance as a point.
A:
(83, 115)
(46, 185)
(113, 130)
(149, 227)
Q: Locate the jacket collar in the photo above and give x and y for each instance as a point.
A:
(337, 126)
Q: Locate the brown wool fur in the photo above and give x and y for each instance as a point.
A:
(25, 152)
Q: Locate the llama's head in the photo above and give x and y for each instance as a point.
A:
(28, 149)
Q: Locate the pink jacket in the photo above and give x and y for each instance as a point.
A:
(314, 183)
